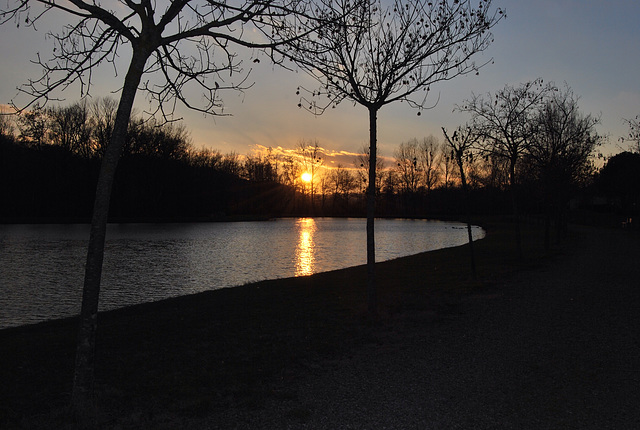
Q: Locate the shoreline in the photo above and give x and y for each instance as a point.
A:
(283, 321)
(284, 353)
(178, 281)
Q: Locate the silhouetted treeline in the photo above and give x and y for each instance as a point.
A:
(50, 183)
(616, 190)
(50, 159)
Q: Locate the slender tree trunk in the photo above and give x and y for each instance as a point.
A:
(514, 207)
(467, 204)
(372, 295)
(83, 383)
(313, 207)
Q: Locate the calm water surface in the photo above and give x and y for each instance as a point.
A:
(41, 266)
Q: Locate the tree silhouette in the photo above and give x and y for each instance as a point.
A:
(505, 122)
(311, 160)
(461, 142)
(406, 158)
(634, 133)
(363, 164)
(162, 140)
(69, 127)
(182, 46)
(430, 159)
(447, 164)
(103, 117)
(560, 151)
(341, 182)
(33, 126)
(375, 55)
(619, 179)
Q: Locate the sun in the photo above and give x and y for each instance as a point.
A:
(306, 177)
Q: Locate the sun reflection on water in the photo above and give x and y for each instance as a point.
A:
(305, 259)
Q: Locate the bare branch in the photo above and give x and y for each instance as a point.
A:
(375, 55)
(504, 119)
(193, 44)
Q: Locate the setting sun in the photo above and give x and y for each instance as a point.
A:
(306, 177)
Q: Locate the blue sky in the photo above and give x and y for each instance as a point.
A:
(593, 46)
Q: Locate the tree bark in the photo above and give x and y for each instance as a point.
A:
(82, 396)
(372, 295)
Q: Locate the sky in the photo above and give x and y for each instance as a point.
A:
(593, 46)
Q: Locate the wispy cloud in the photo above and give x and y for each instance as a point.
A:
(330, 158)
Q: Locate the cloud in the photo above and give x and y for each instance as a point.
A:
(330, 158)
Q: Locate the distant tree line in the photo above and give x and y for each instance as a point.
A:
(50, 160)
(51, 157)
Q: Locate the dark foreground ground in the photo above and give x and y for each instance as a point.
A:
(551, 343)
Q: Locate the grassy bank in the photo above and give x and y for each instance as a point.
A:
(164, 362)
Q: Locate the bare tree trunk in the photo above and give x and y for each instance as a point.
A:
(83, 383)
(514, 207)
(467, 203)
(371, 204)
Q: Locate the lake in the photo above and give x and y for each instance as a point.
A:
(42, 266)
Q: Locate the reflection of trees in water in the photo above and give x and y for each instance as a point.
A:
(305, 259)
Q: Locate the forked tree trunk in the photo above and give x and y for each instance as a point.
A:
(83, 382)
(372, 294)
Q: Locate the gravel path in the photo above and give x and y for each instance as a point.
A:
(555, 348)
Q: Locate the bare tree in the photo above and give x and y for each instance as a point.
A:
(560, 152)
(362, 163)
(103, 117)
(69, 127)
(260, 168)
(341, 183)
(231, 164)
(205, 158)
(33, 126)
(311, 158)
(505, 122)
(462, 142)
(181, 45)
(634, 133)
(430, 159)
(491, 172)
(390, 183)
(406, 158)
(290, 171)
(448, 162)
(375, 55)
(162, 140)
